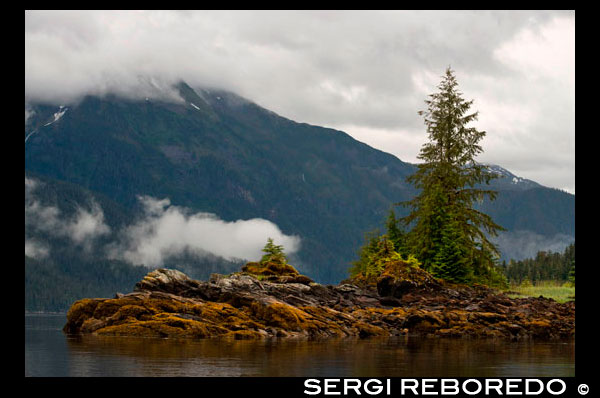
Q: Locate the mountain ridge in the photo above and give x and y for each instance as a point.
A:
(211, 97)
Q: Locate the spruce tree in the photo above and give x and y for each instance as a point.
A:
(365, 254)
(451, 259)
(273, 253)
(449, 236)
(396, 234)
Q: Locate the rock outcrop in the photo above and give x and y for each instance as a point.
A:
(263, 301)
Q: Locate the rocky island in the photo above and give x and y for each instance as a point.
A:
(272, 300)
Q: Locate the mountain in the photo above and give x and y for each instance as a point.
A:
(216, 152)
(507, 181)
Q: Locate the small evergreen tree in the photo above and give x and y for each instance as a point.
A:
(273, 253)
(365, 254)
(383, 252)
(395, 233)
(378, 252)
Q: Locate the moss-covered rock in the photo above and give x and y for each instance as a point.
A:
(276, 272)
(400, 277)
(246, 306)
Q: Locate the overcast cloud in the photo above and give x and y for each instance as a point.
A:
(364, 72)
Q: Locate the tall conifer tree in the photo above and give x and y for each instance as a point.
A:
(448, 234)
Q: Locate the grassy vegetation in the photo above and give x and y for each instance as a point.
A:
(558, 291)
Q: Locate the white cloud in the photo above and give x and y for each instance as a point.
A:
(87, 225)
(530, 113)
(544, 51)
(168, 230)
(83, 227)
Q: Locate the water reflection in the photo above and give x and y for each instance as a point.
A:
(377, 358)
(404, 357)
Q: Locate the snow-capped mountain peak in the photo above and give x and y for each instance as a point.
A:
(508, 179)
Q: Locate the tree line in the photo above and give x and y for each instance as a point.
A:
(545, 266)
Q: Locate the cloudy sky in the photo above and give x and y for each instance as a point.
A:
(364, 72)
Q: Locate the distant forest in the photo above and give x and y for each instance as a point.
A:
(545, 266)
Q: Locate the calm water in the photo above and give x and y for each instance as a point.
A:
(48, 352)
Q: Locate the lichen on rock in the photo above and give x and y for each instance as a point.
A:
(271, 300)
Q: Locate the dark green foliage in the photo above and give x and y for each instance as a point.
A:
(486, 271)
(54, 287)
(383, 252)
(375, 254)
(273, 253)
(396, 234)
(448, 235)
(366, 252)
(451, 260)
(543, 267)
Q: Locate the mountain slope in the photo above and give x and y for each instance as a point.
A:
(219, 153)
